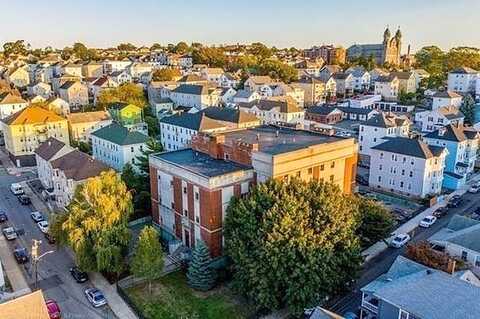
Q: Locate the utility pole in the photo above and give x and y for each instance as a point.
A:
(36, 258)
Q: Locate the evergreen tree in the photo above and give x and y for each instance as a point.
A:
(468, 108)
(200, 275)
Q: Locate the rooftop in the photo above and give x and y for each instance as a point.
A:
(410, 286)
(30, 306)
(87, 117)
(199, 163)
(32, 115)
(49, 148)
(276, 140)
(120, 135)
(410, 147)
(79, 166)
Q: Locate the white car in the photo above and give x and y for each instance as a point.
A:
(43, 226)
(474, 189)
(16, 189)
(37, 216)
(9, 233)
(400, 240)
(428, 221)
(95, 297)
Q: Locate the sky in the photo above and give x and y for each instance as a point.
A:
(300, 23)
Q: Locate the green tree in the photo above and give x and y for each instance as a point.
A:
(292, 243)
(181, 48)
(80, 51)
(376, 223)
(200, 275)
(126, 47)
(407, 98)
(148, 259)
(214, 57)
(431, 59)
(96, 223)
(153, 146)
(468, 108)
(156, 46)
(166, 74)
(127, 93)
(260, 50)
(278, 70)
(130, 177)
(18, 47)
(463, 56)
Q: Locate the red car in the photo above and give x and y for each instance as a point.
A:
(53, 309)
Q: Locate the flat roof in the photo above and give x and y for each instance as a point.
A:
(288, 140)
(200, 163)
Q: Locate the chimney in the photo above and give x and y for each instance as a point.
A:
(452, 263)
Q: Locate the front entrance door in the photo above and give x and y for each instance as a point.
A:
(186, 238)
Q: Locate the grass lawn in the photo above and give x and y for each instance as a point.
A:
(172, 298)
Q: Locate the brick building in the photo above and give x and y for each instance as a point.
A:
(192, 188)
(323, 114)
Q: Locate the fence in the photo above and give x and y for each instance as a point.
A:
(121, 286)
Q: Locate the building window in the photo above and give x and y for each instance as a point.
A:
(184, 190)
(322, 167)
(185, 212)
(310, 171)
(196, 196)
(464, 255)
(332, 165)
(332, 177)
(299, 174)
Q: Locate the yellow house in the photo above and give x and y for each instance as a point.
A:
(25, 130)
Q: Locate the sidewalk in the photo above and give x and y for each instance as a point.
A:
(12, 268)
(116, 303)
(410, 225)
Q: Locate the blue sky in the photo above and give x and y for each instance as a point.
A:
(300, 23)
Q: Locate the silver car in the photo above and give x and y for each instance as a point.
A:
(95, 297)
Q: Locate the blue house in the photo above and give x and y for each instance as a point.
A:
(409, 290)
(462, 145)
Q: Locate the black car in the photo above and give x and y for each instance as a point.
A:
(24, 200)
(455, 201)
(442, 211)
(3, 217)
(50, 238)
(78, 275)
(21, 255)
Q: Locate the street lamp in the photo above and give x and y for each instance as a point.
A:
(36, 258)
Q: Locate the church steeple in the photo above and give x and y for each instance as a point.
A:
(386, 35)
(398, 35)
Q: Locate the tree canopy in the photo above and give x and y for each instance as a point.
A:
(147, 261)
(376, 222)
(127, 93)
(18, 47)
(95, 225)
(292, 243)
(468, 108)
(166, 74)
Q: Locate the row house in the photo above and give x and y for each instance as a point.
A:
(42, 89)
(92, 70)
(25, 130)
(74, 93)
(388, 87)
(116, 146)
(64, 169)
(19, 77)
(260, 84)
(275, 110)
(344, 83)
(462, 80)
(462, 145)
(361, 78)
(315, 90)
(11, 103)
(446, 98)
(82, 124)
(295, 92)
(408, 167)
(196, 96)
(72, 69)
(379, 126)
(406, 82)
(429, 121)
(323, 114)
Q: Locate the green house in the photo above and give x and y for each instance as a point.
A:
(126, 114)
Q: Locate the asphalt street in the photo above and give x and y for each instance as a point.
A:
(53, 269)
(381, 263)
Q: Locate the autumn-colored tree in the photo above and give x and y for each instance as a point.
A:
(292, 243)
(423, 253)
(96, 223)
(148, 259)
(167, 74)
(127, 93)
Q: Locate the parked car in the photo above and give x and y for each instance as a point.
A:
(21, 255)
(24, 200)
(455, 201)
(9, 233)
(428, 221)
(3, 217)
(400, 240)
(16, 189)
(37, 216)
(95, 297)
(442, 211)
(43, 226)
(474, 189)
(53, 309)
(49, 237)
(78, 275)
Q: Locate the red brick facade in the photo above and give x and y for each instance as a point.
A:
(322, 118)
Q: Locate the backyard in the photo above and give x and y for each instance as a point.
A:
(172, 298)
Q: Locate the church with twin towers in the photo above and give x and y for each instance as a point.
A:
(389, 51)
